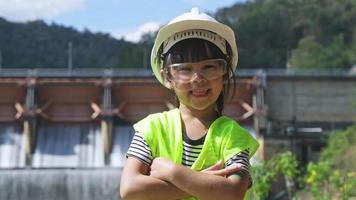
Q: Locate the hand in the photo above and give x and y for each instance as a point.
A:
(162, 168)
(217, 169)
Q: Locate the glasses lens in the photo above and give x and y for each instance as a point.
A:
(181, 71)
(212, 69)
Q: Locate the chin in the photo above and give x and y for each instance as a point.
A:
(201, 107)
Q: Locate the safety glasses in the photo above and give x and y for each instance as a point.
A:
(185, 72)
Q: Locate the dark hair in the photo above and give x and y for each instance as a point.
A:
(194, 50)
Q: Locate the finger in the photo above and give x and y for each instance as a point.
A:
(234, 168)
(216, 166)
(227, 171)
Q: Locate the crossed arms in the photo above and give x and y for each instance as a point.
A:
(167, 180)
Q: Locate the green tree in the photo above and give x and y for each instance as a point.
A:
(311, 54)
(268, 31)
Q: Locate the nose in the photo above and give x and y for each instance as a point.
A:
(197, 77)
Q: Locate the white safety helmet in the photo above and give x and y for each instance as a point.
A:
(193, 24)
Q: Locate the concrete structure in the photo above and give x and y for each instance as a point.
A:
(302, 106)
(81, 120)
(312, 99)
(40, 104)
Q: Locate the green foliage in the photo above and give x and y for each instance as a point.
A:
(37, 44)
(262, 33)
(311, 54)
(268, 32)
(334, 176)
(266, 172)
(339, 149)
(326, 182)
(138, 54)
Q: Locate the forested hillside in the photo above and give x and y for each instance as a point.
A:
(270, 34)
(37, 44)
(298, 33)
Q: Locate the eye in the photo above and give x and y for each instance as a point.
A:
(180, 67)
(183, 69)
(210, 67)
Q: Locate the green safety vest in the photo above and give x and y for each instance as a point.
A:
(225, 138)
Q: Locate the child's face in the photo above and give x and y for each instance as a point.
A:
(197, 84)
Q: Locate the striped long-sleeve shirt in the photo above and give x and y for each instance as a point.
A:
(191, 150)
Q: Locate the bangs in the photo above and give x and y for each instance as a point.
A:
(193, 50)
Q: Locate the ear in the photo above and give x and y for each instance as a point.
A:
(166, 82)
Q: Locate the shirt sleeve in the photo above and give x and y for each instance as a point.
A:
(140, 149)
(242, 158)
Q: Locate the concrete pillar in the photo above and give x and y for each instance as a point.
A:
(260, 111)
(29, 120)
(107, 120)
(259, 102)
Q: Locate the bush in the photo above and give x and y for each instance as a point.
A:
(334, 176)
(266, 172)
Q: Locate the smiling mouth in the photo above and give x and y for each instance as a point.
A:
(200, 93)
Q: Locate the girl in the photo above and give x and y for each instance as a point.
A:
(193, 151)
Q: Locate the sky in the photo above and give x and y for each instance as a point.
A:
(126, 19)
